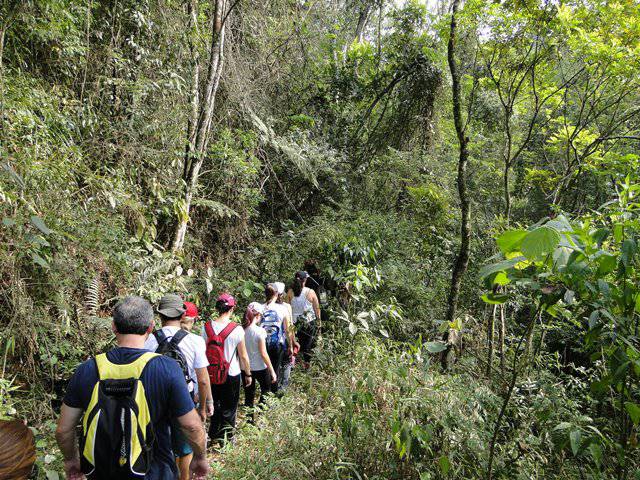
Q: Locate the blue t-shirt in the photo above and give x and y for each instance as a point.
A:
(167, 395)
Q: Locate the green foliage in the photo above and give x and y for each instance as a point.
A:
(584, 275)
(333, 140)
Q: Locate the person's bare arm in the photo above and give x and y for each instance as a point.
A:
(244, 363)
(66, 438)
(262, 346)
(204, 393)
(193, 430)
(315, 303)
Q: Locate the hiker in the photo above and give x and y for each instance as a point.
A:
(190, 316)
(316, 281)
(189, 351)
(128, 385)
(261, 367)
(226, 353)
(306, 314)
(274, 320)
(17, 451)
(293, 345)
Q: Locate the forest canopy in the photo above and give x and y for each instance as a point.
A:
(465, 173)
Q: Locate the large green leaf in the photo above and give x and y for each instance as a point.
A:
(435, 347)
(511, 240)
(500, 266)
(495, 298)
(575, 438)
(540, 242)
(40, 225)
(596, 453)
(634, 412)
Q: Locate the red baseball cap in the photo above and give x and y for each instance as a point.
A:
(191, 310)
(228, 299)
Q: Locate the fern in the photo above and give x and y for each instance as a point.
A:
(92, 297)
(217, 208)
(300, 151)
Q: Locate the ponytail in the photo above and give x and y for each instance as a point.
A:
(297, 286)
(270, 291)
(248, 318)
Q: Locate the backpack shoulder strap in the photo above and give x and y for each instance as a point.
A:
(178, 337)
(160, 336)
(112, 371)
(209, 331)
(227, 330)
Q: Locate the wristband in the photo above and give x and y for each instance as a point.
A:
(248, 375)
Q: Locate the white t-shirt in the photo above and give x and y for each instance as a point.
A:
(252, 337)
(192, 347)
(230, 344)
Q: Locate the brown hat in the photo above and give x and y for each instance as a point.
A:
(171, 306)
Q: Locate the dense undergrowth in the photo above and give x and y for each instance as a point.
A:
(332, 139)
(371, 409)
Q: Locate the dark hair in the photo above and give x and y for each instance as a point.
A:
(311, 266)
(17, 449)
(164, 318)
(223, 307)
(249, 316)
(298, 284)
(270, 291)
(133, 315)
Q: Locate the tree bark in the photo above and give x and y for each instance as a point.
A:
(13, 8)
(491, 321)
(462, 258)
(202, 108)
(501, 335)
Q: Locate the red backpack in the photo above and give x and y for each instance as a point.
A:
(218, 366)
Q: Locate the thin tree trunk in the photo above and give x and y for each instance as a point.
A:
(491, 321)
(501, 335)
(516, 368)
(12, 12)
(362, 22)
(507, 192)
(2, 32)
(202, 107)
(462, 259)
(195, 87)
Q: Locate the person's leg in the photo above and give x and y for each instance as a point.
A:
(305, 344)
(312, 331)
(264, 379)
(181, 449)
(183, 466)
(286, 373)
(249, 392)
(249, 397)
(215, 426)
(229, 406)
(275, 356)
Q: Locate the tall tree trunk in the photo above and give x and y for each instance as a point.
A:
(462, 258)
(202, 107)
(10, 14)
(501, 335)
(491, 321)
(507, 192)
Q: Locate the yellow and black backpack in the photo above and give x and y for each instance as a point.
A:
(117, 432)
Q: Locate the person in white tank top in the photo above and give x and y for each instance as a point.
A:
(306, 315)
